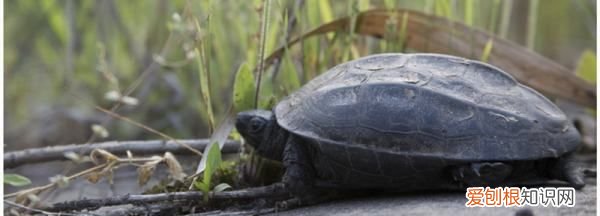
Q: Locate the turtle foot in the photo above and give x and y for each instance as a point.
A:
(481, 174)
(568, 170)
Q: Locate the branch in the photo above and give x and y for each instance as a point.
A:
(140, 125)
(30, 209)
(274, 190)
(53, 153)
(39, 189)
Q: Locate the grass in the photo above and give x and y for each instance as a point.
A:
(532, 23)
(186, 97)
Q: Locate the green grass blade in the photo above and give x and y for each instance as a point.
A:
(494, 16)
(443, 8)
(505, 19)
(586, 66)
(487, 50)
(532, 24)
(263, 37)
(403, 32)
(326, 12)
(205, 88)
(469, 6)
(389, 4)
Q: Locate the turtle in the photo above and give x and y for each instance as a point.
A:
(411, 122)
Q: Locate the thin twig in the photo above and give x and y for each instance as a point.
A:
(115, 115)
(112, 162)
(275, 190)
(53, 153)
(17, 205)
(36, 190)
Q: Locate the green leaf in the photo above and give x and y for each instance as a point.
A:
(243, 89)
(213, 161)
(201, 186)
(221, 187)
(16, 180)
(586, 67)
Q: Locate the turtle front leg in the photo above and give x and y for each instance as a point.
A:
(299, 174)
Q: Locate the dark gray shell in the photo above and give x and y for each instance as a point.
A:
(427, 105)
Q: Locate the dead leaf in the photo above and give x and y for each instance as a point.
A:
(428, 33)
(100, 156)
(174, 167)
(145, 172)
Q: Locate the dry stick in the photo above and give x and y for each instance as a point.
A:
(54, 153)
(528, 67)
(274, 190)
(17, 205)
(147, 128)
(110, 163)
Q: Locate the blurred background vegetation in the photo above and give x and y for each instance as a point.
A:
(63, 57)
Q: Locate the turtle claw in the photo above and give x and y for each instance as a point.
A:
(479, 174)
(568, 170)
(575, 178)
(287, 204)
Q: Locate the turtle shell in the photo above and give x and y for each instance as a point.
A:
(431, 105)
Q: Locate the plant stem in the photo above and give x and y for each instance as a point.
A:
(532, 24)
(263, 37)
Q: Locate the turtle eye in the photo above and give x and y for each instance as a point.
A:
(256, 125)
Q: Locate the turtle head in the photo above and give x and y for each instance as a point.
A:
(260, 130)
(253, 124)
